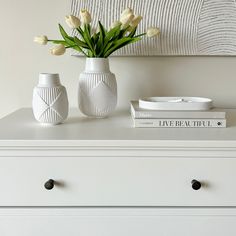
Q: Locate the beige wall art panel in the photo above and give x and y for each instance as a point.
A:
(188, 27)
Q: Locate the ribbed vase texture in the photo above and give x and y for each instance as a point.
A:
(97, 92)
(50, 104)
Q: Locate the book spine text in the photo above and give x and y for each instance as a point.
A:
(180, 123)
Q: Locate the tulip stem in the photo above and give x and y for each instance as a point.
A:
(140, 35)
(72, 46)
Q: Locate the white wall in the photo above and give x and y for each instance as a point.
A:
(21, 61)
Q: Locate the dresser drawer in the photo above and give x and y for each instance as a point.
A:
(117, 222)
(117, 181)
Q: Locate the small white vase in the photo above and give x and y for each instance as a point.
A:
(50, 102)
(97, 89)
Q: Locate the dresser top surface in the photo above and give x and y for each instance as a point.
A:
(20, 128)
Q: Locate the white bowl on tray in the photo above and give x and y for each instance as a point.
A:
(176, 103)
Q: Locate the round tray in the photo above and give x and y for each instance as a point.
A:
(175, 103)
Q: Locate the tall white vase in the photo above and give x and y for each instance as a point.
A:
(50, 102)
(97, 88)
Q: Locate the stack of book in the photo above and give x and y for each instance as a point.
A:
(144, 118)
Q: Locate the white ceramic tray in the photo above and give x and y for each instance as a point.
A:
(175, 103)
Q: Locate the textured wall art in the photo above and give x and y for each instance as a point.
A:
(188, 27)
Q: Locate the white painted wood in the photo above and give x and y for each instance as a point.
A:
(117, 181)
(116, 222)
(20, 129)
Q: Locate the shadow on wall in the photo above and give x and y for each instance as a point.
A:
(175, 76)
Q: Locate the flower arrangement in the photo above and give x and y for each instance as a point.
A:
(100, 44)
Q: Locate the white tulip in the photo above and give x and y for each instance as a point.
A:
(136, 20)
(115, 24)
(85, 17)
(72, 21)
(41, 40)
(127, 11)
(152, 32)
(126, 20)
(58, 50)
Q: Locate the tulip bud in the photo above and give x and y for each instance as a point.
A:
(126, 20)
(152, 32)
(85, 17)
(127, 11)
(41, 40)
(72, 21)
(58, 50)
(136, 20)
(129, 29)
(115, 24)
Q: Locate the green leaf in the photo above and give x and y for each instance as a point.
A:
(63, 32)
(109, 38)
(90, 54)
(114, 44)
(140, 35)
(119, 44)
(102, 28)
(102, 34)
(95, 38)
(110, 34)
(101, 37)
(87, 38)
(80, 31)
(123, 32)
(133, 32)
(77, 48)
(70, 42)
(104, 50)
(66, 37)
(80, 43)
(89, 29)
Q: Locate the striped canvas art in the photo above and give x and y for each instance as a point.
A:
(188, 27)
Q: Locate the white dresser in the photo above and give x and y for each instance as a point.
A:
(102, 177)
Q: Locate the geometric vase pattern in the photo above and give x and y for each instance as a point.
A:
(50, 105)
(97, 93)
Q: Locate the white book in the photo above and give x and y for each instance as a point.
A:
(179, 123)
(140, 113)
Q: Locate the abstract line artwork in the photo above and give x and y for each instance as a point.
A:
(188, 27)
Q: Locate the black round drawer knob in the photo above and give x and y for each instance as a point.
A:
(196, 185)
(49, 184)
